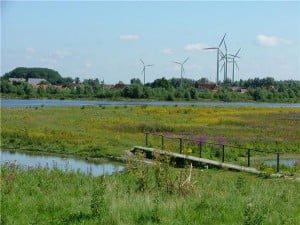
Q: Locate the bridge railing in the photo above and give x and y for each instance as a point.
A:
(182, 145)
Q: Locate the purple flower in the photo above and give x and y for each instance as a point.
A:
(201, 139)
(220, 140)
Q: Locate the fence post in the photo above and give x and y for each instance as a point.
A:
(200, 149)
(248, 157)
(223, 153)
(162, 142)
(180, 145)
(277, 167)
(146, 139)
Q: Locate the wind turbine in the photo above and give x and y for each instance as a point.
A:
(233, 61)
(218, 54)
(144, 69)
(233, 57)
(181, 69)
(225, 57)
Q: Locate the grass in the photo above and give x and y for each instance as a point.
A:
(146, 195)
(102, 131)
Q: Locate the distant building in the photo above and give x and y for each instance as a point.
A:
(42, 86)
(16, 80)
(119, 86)
(239, 89)
(58, 87)
(35, 82)
(243, 90)
(208, 86)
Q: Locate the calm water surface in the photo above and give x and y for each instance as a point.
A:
(284, 162)
(57, 102)
(26, 160)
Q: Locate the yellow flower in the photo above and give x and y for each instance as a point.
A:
(187, 151)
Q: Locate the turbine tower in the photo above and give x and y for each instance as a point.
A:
(144, 69)
(181, 68)
(226, 62)
(218, 54)
(233, 57)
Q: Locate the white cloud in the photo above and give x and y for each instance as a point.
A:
(48, 60)
(30, 50)
(60, 54)
(195, 47)
(130, 37)
(88, 65)
(167, 51)
(270, 41)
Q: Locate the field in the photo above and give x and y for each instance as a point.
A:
(103, 131)
(147, 196)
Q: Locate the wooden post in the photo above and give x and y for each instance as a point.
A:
(180, 145)
(200, 149)
(248, 156)
(146, 139)
(223, 153)
(162, 142)
(277, 167)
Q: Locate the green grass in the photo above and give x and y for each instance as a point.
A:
(102, 131)
(146, 196)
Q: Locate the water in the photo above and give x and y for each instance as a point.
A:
(57, 102)
(284, 162)
(65, 164)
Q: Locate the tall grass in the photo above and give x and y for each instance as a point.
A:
(102, 131)
(146, 195)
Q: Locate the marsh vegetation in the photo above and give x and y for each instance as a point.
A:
(146, 195)
(159, 194)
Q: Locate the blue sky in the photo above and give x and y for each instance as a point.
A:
(106, 39)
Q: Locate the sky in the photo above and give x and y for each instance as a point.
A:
(105, 40)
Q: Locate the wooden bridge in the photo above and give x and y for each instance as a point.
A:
(180, 159)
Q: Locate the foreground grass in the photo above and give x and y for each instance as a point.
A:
(146, 196)
(102, 131)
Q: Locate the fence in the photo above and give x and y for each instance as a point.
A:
(178, 143)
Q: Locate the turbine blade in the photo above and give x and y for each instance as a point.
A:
(225, 45)
(142, 61)
(222, 40)
(150, 65)
(222, 67)
(185, 60)
(237, 52)
(236, 65)
(222, 54)
(209, 48)
(234, 56)
(223, 57)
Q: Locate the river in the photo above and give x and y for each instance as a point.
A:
(57, 102)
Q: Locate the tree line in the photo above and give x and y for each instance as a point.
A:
(265, 89)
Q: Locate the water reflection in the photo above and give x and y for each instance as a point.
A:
(66, 164)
